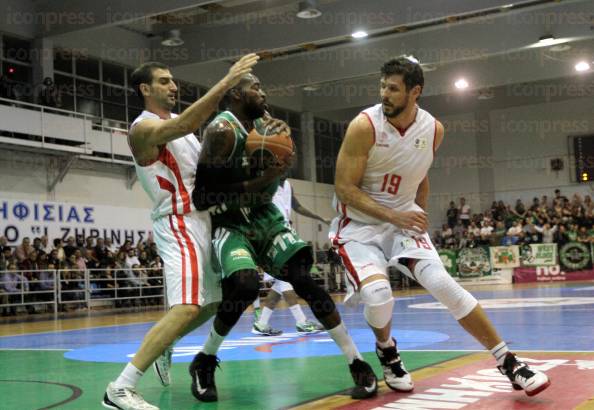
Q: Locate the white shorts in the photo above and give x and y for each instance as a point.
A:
(184, 245)
(279, 285)
(368, 250)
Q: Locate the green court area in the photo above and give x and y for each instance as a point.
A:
(46, 380)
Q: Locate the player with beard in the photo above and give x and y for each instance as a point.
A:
(382, 189)
(250, 231)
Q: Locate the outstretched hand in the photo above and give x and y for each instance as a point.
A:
(242, 67)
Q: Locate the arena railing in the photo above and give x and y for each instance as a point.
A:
(60, 288)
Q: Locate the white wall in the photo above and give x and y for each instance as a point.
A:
(455, 170)
(526, 138)
(26, 177)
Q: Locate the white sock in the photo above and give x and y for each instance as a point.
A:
(213, 342)
(256, 303)
(265, 316)
(340, 335)
(386, 344)
(499, 352)
(129, 376)
(298, 313)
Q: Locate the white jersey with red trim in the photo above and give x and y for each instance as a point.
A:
(169, 180)
(282, 199)
(397, 163)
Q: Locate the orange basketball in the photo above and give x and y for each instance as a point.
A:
(279, 146)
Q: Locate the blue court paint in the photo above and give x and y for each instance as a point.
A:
(246, 346)
(541, 328)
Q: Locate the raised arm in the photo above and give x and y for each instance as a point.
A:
(147, 136)
(350, 168)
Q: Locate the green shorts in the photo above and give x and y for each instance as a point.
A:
(266, 242)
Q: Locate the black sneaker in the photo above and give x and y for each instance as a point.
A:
(364, 378)
(395, 374)
(202, 371)
(522, 377)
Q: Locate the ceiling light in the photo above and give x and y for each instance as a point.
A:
(308, 10)
(506, 6)
(547, 40)
(359, 34)
(582, 66)
(427, 67)
(173, 39)
(461, 84)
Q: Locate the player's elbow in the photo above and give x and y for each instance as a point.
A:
(344, 192)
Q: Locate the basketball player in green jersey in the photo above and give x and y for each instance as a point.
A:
(250, 231)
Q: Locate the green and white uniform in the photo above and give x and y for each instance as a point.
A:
(255, 235)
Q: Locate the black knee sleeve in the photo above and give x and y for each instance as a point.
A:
(296, 272)
(239, 291)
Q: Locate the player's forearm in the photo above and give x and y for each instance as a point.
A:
(307, 213)
(423, 194)
(354, 197)
(196, 114)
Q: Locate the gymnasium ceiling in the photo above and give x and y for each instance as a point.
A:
(489, 42)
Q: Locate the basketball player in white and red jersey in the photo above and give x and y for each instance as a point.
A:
(166, 153)
(382, 189)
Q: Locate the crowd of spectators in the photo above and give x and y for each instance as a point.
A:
(27, 272)
(546, 220)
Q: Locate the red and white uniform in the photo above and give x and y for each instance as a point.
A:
(397, 163)
(182, 234)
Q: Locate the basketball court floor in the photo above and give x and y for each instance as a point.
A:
(66, 364)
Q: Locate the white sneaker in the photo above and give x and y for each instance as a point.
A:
(523, 377)
(162, 367)
(124, 398)
(395, 374)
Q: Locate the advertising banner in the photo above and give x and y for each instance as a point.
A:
(449, 259)
(550, 274)
(473, 262)
(539, 254)
(21, 218)
(505, 257)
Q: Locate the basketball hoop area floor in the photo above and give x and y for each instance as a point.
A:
(66, 364)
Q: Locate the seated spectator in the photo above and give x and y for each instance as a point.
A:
(485, 233)
(547, 232)
(572, 233)
(498, 233)
(111, 246)
(519, 210)
(583, 235)
(474, 230)
(69, 248)
(535, 205)
(11, 284)
(588, 204)
(22, 251)
(452, 214)
(100, 252)
(514, 232)
(5, 257)
(464, 212)
(561, 237)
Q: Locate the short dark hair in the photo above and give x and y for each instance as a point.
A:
(144, 74)
(411, 71)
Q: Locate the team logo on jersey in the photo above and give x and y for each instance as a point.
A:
(420, 143)
(240, 253)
